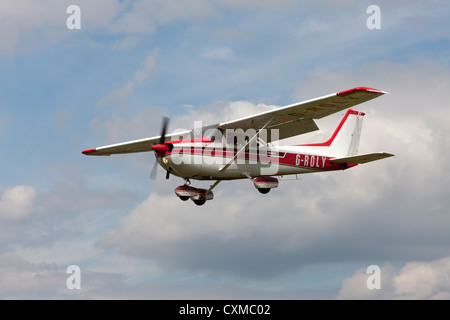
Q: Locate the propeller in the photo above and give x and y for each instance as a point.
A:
(160, 148)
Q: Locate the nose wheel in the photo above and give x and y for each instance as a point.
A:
(197, 195)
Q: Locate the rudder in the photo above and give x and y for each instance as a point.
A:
(345, 140)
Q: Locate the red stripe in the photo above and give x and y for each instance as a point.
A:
(196, 140)
(87, 151)
(330, 141)
(306, 161)
(351, 91)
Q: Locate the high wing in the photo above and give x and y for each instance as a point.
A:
(297, 118)
(141, 145)
(291, 120)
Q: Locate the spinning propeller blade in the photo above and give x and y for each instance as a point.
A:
(162, 139)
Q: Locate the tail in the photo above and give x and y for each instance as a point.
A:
(345, 140)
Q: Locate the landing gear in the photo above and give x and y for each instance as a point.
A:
(199, 196)
(199, 202)
(264, 184)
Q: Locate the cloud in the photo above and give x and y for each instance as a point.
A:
(22, 279)
(21, 25)
(16, 203)
(32, 24)
(312, 26)
(220, 53)
(125, 43)
(149, 66)
(193, 238)
(416, 280)
(19, 278)
(39, 219)
(236, 4)
(424, 280)
(117, 97)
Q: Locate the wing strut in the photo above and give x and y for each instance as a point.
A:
(212, 187)
(246, 145)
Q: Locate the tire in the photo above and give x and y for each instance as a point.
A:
(184, 198)
(199, 202)
(264, 190)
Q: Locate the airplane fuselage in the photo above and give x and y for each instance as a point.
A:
(203, 161)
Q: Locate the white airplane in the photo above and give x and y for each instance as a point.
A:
(248, 147)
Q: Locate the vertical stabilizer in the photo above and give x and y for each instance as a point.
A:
(345, 140)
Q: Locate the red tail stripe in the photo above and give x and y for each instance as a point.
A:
(330, 141)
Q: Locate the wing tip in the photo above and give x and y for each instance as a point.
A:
(89, 151)
(365, 89)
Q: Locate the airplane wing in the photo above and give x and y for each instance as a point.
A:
(141, 145)
(298, 118)
(291, 120)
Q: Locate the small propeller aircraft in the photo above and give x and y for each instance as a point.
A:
(247, 148)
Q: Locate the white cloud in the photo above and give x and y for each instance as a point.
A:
(145, 16)
(22, 279)
(416, 280)
(312, 26)
(219, 53)
(236, 4)
(118, 96)
(125, 43)
(149, 66)
(30, 24)
(356, 286)
(17, 203)
(187, 236)
(19, 277)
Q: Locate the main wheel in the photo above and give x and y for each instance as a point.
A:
(264, 190)
(199, 202)
(184, 198)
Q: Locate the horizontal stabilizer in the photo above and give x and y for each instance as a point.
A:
(363, 158)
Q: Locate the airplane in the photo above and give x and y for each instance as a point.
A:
(248, 148)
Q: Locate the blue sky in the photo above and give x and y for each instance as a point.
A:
(132, 62)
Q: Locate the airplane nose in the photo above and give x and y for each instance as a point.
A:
(161, 149)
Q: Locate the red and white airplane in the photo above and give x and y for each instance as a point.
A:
(248, 147)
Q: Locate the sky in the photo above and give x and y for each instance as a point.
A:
(132, 62)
